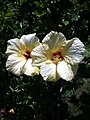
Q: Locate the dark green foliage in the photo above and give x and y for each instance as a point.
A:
(33, 98)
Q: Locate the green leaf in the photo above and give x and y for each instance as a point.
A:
(73, 109)
(65, 22)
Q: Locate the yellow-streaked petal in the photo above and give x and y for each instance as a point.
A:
(65, 71)
(29, 69)
(54, 40)
(39, 55)
(76, 52)
(65, 46)
(13, 46)
(15, 64)
(49, 72)
(30, 41)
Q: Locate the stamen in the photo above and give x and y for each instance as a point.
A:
(56, 57)
(27, 55)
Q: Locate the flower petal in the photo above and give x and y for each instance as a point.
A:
(29, 69)
(15, 64)
(65, 71)
(49, 72)
(54, 40)
(76, 51)
(39, 55)
(67, 44)
(13, 46)
(30, 41)
(74, 68)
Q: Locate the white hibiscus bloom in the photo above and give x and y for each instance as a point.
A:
(58, 57)
(19, 59)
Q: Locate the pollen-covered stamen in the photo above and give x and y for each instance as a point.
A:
(56, 57)
(27, 55)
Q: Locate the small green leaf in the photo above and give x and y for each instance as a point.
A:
(65, 23)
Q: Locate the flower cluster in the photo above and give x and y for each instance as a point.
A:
(54, 58)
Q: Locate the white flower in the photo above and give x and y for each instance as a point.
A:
(19, 55)
(58, 57)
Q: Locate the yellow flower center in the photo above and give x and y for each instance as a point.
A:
(57, 57)
(27, 55)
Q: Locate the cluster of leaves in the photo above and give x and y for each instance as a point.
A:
(33, 98)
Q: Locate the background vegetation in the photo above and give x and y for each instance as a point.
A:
(26, 98)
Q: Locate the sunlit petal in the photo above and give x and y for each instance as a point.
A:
(76, 52)
(49, 72)
(13, 46)
(65, 47)
(54, 40)
(30, 41)
(65, 71)
(29, 69)
(39, 55)
(15, 64)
